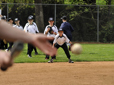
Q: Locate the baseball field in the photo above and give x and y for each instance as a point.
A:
(94, 66)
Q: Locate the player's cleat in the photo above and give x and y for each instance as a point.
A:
(29, 56)
(54, 57)
(70, 61)
(51, 61)
(6, 50)
(36, 53)
(46, 58)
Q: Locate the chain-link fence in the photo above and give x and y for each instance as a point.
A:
(91, 23)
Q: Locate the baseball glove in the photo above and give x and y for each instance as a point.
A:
(70, 47)
(51, 30)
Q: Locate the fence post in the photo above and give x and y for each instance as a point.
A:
(7, 11)
(55, 15)
(97, 23)
(0, 13)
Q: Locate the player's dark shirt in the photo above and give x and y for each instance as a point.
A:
(68, 29)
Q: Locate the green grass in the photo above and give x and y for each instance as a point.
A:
(91, 52)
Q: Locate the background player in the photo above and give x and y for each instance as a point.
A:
(17, 24)
(3, 43)
(50, 30)
(60, 41)
(10, 21)
(4, 17)
(31, 27)
(67, 28)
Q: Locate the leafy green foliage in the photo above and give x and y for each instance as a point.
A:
(100, 2)
(17, 1)
(78, 2)
(83, 18)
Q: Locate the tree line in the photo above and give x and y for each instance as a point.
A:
(82, 14)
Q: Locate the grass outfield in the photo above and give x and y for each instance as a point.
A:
(91, 52)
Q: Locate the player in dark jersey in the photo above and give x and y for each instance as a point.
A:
(67, 28)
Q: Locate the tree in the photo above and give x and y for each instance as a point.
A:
(90, 1)
(108, 2)
(53, 1)
(39, 15)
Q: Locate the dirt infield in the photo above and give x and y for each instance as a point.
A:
(78, 73)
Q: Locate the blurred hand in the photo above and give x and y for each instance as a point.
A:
(41, 41)
(5, 59)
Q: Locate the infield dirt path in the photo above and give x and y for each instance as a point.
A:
(78, 73)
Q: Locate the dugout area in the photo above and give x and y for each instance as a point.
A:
(59, 73)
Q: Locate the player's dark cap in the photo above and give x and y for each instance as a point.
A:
(3, 17)
(10, 19)
(60, 30)
(51, 19)
(64, 17)
(16, 19)
(30, 17)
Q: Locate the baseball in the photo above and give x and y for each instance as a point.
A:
(76, 48)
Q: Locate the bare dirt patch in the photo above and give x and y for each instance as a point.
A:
(78, 73)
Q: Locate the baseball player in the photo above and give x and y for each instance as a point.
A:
(17, 24)
(31, 27)
(67, 28)
(3, 43)
(50, 30)
(3, 17)
(60, 41)
(10, 21)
